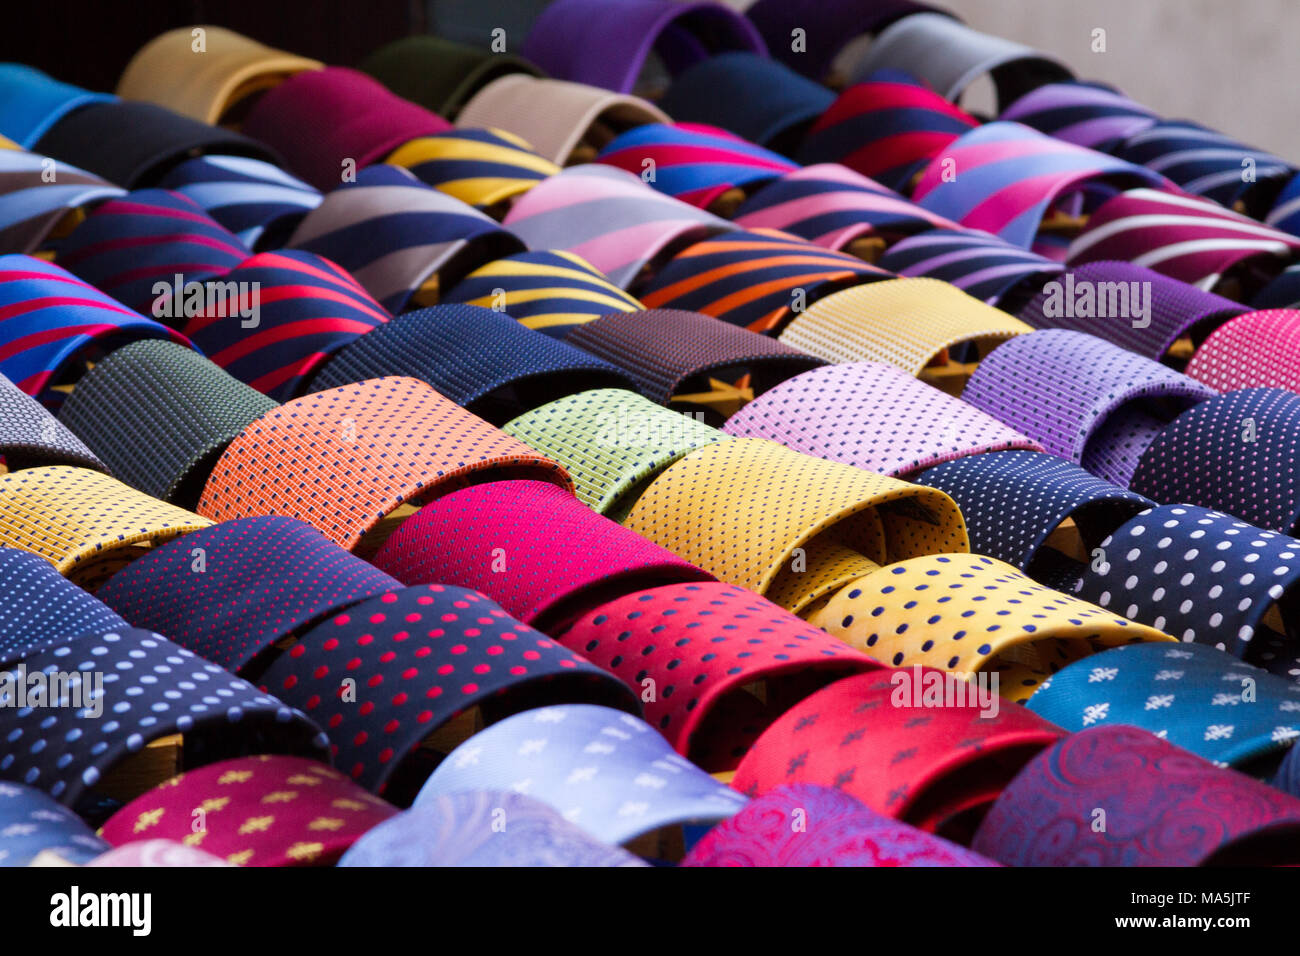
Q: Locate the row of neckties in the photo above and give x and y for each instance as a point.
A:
(464, 434)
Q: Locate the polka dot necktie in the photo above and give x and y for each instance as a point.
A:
(1084, 113)
(31, 436)
(481, 167)
(1255, 350)
(31, 823)
(42, 608)
(32, 209)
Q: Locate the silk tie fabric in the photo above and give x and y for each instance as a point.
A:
(30, 436)
(438, 74)
(1255, 350)
(156, 853)
(37, 197)
(42, 608)
(31, 823)
(31, 102)
(481, 167)
(1086, 114)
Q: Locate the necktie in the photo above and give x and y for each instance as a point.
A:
(32, 823)
(1285, 211)
(31, 436)
(255, 811)
(1170, 565)
(754, 279)
(481, 167)
(550, 291)
(231, 591)
(1086, 114)
(949, 56)
(1082, 398)
(556, 117)
(937, 768)
(83, 522)
(610, 218)
(122, 689)
(808, 825)
(578, 40)
(887, 127)
(1255, 350)
(282, 316)
(206, 83)
(1128, 305)
(608, 772)
(1197, 697)
(32, 102)
(761, 100)
(873, 416)
(908, 323)
(531, 547)
(156, 853)
(1216, 453)
(134, 144)
(395, 235)
(43, 608)
(323, 120)
(345, 459)
(53, 324)
(791, 527)
(612, 441)
(482, 360)
(33, 205)
(670, 352)
(720, 663)
(1160, 806)
(416, 658)
(170, 400)
(260, 203)
(482, 828)
(133, 248)
(1280, 292)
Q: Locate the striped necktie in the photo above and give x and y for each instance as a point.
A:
(37, 195)
(1083, 113)
(481, 167)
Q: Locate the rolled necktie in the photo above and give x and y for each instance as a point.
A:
(790, 527)
(482, 828)
(975, 616)
(908, 323)
(134, 144)
(31, 823)
(345, 459)
(414, 659)
(979, 264)
(577, 40)
(231, 591)
(550, 291)
(160, 415)
(33, 207)
(156, 853)
(1233, 453)
(1280, 292)
(42, 608)
(937, 768)
(1086, 114)
(53, 324)
(396, 235)
(556, 117)
(1255, 350)
(531, 547)
(323, 120)
(612, 442)
(671, 351)
(722, 663)
(1009, 176)
(887, 127)
(148, 249)
(873, 416)
(608, 772)
(112, 701)
(759, 99)
(282, 316)
(1285, 211)
(31, 102)
(438, 74)
(1169, 566)
(804, 824)
(949, 56)
(255, 811)
(611, 219)
(30, 436)
(1129, 305)
(1014, 502)
(260, 203)
(83, 522)
(481, 167)
(1085, 400)
(480, 359)
(206, 82)
(1159, 806)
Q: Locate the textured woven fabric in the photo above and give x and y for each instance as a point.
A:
(481, 167)
(1255, 350)
(438, 74)
(1083, 113)
(31, 436)
(344, 459)
(32, 823)
(160, 415)
(982, 265)
(42, 608)
(31, 102)
(32, 207)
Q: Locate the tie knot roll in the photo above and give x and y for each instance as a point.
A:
(439, 74)
(33, 209)
(1084, 113)
(31, 102)
(482, 167)
(43, 608)
(31, 824)
(1255, 350)
(30, 436)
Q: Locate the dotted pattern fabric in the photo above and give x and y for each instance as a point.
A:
(41, 607)
(31, 436)
(31, 824)
(1255, 350)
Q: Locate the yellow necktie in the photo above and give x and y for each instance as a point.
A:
(479, 167)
